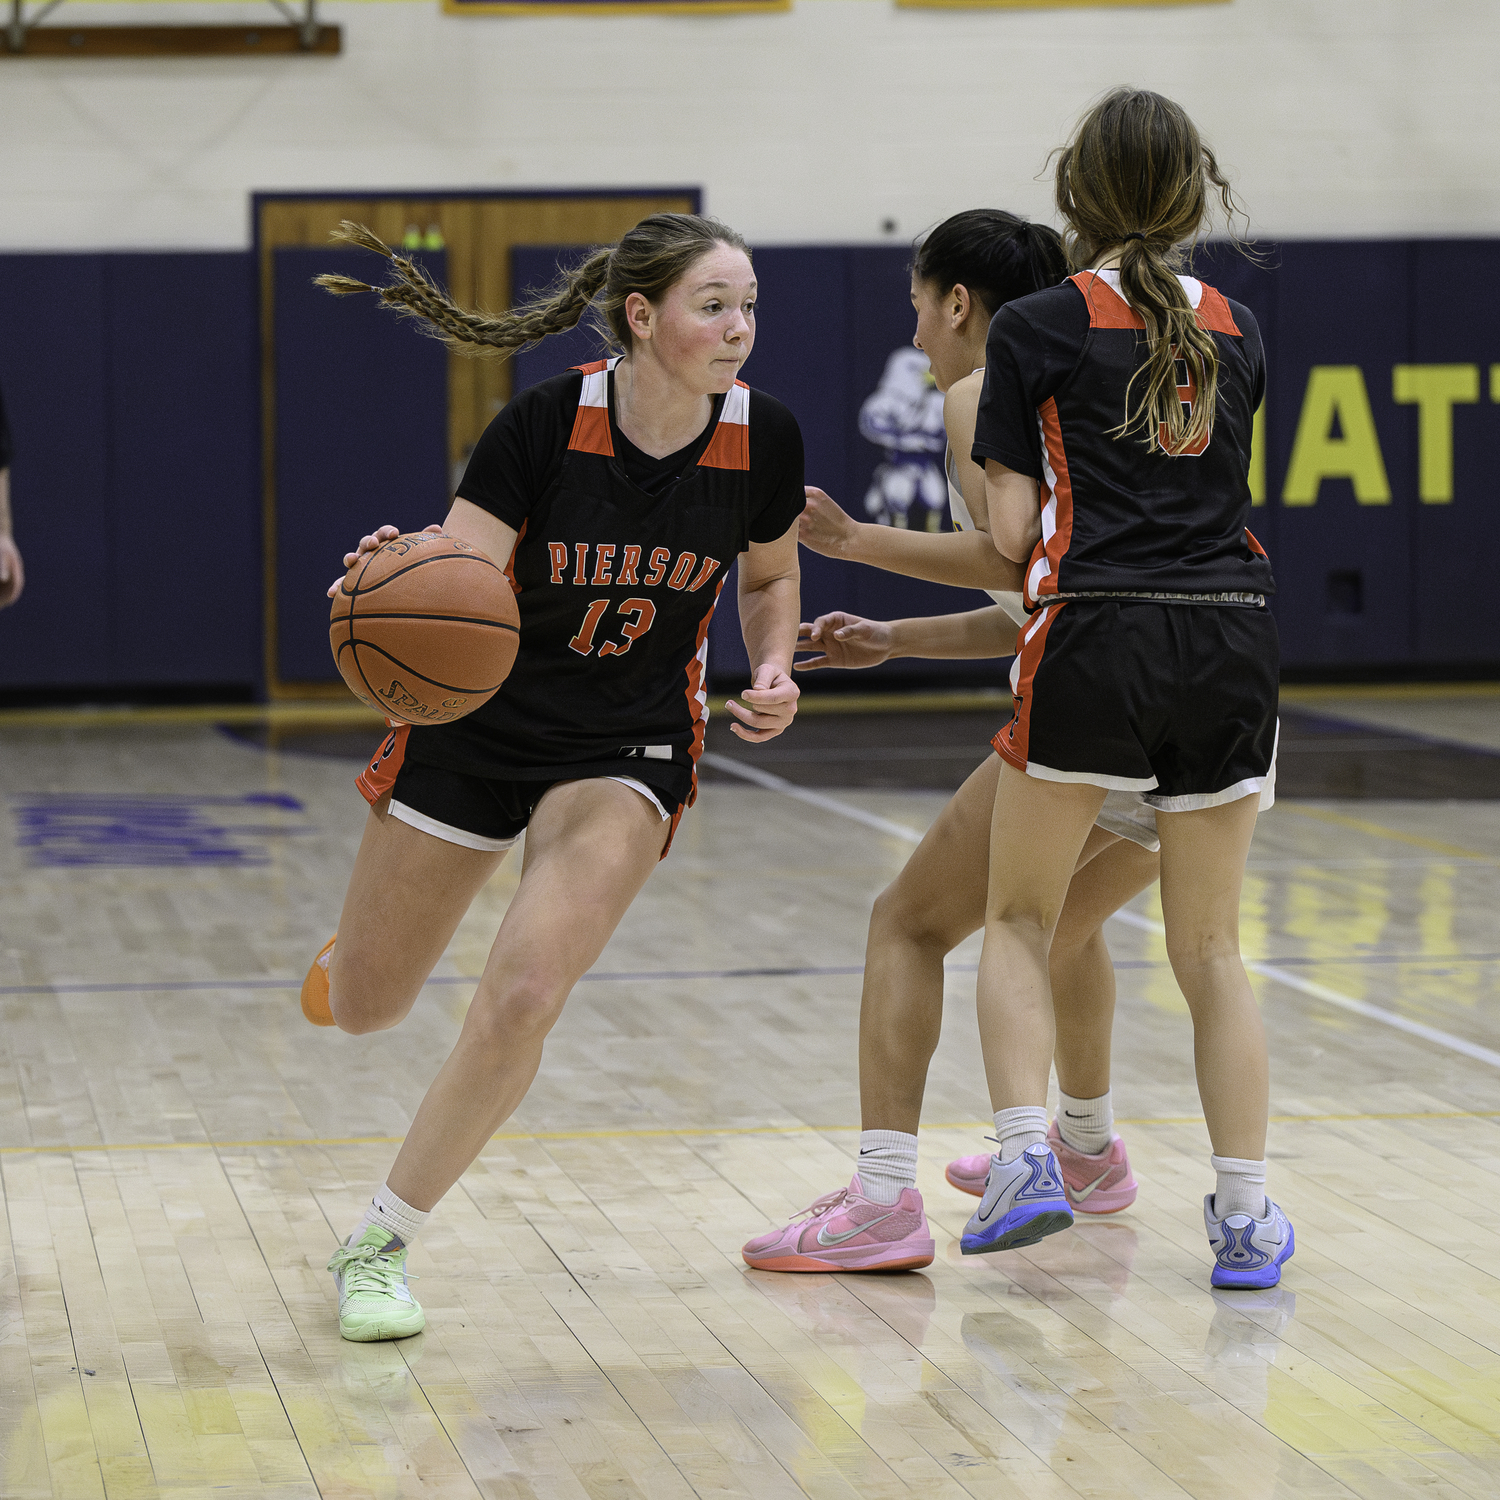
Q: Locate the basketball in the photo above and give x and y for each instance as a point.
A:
(424, 629)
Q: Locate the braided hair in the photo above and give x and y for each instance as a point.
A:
(648, 259)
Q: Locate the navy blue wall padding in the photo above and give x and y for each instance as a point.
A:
(129, 381)
(1334, 308)
(827, 319)
(361, 439)
(1456, 572)
(132, 385)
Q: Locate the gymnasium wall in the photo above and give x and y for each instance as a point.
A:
(822, 124)
(132, 386)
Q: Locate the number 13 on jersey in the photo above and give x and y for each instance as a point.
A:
(643, 610)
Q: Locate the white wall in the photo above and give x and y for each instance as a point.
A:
(1337, 117)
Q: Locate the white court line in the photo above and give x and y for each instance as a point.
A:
(1126, 916)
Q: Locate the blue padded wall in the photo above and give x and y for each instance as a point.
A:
(129, 382)
(361, 439)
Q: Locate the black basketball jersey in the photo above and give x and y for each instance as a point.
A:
(616, 584)
(1119, 517)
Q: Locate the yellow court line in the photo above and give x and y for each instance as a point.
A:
(690, 1133)
(1380, 831)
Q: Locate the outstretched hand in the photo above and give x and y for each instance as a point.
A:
(845, 640)
(12, 572)
(371, 543)
(772, 704)
(824, 526)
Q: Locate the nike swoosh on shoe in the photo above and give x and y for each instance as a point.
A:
(838, 1239)
(1078, 1195)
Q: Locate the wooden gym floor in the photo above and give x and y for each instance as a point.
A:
(179, 1153)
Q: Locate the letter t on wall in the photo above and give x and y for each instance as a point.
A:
(1434, 390)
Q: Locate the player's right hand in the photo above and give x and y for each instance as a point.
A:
(845, 641)
(824, 526)
(369, 543)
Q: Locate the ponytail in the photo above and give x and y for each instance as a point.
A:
(1137, 175)
(649, 259)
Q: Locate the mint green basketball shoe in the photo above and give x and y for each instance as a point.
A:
(374, 1300)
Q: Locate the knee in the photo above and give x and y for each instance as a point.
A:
(362, 1001)
(525, 1006)
(1194, 952)
(902, 915)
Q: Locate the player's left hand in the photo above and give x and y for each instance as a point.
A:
(12, 574)
(772, 704)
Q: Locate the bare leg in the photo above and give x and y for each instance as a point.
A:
(932, 906)
(928, 910)
(1037, 834)
(407, 895)
(1203, 857)
(1082, 972)
(589, 848)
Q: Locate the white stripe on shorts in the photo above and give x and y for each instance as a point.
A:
(644, 790)
(445, 831)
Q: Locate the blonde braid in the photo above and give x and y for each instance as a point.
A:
(413, 294)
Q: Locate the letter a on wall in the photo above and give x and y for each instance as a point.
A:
(1336, 394)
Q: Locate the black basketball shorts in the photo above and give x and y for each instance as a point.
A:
(484, 812)
(1176, 702)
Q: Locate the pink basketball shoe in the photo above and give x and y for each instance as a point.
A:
(845, 1231)
(1101, 1184)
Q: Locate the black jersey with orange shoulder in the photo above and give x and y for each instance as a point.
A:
(617, 566)
(1119, 517)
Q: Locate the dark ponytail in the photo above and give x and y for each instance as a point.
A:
(998, 256)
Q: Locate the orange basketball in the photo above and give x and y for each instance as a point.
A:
(424, 628)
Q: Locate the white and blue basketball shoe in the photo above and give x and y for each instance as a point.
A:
(1248, 1252)
(1024, 1201)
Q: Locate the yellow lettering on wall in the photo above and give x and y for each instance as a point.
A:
(1258, 455)
(1433, 390)
(1336, 392)
(1495, 382)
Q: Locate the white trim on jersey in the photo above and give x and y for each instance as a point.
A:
(446, 831)
(595, 391)
(1190, 284)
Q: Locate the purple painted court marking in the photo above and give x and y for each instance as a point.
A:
(71, 830)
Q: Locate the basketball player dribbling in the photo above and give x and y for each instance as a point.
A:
(963, 272)
(617, 496)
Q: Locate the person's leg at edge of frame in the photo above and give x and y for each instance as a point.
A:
(1203, 865)
(1037, 833)
(590, 847)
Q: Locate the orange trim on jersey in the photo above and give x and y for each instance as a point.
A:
(1107, 308)
(591, 432)
(379, 776)
(593, 367)
(510, 567)
(1214, 313)
(697, 694)
(666, 848)
(1055, 547)
(1255, 546)
(729, 447)
(1013, 743)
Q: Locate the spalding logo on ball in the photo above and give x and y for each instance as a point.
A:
(425, 628)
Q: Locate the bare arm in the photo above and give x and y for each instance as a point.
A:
(466, 521)
(850, 642)
(1015, 507)
(12, 574)
(770, 603)
(965, 559)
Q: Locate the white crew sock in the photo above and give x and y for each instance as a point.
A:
(399, 1219)
(887, 1164)
(1018, 1128)
(1087, 1125)
(1241, 1187)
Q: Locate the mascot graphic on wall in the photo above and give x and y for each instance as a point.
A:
(904, 416)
